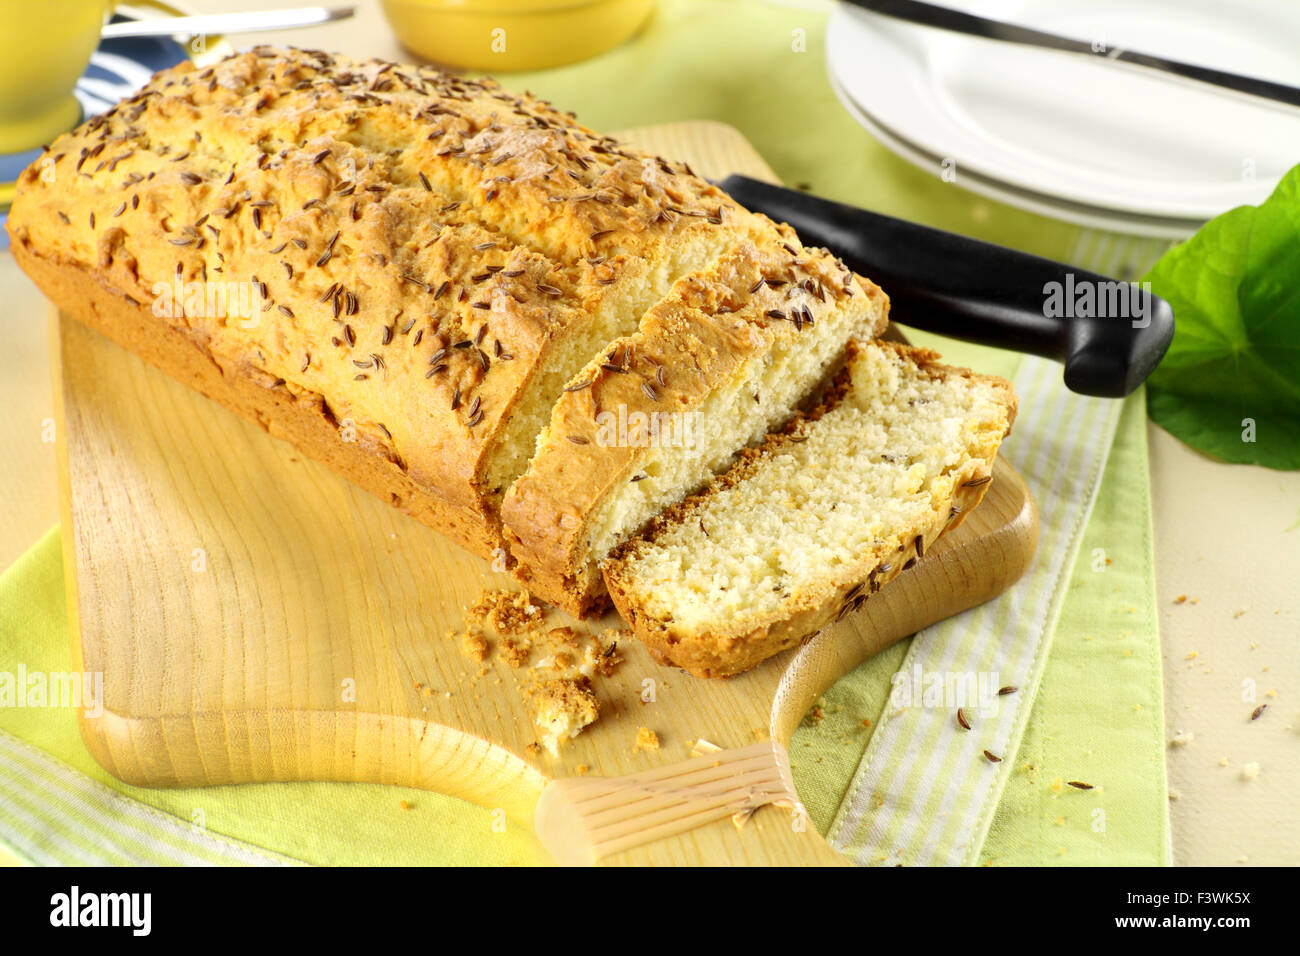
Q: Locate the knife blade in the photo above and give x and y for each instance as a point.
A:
(1109, 335)
(958, 21)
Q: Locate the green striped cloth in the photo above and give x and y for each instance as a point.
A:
(51, 815)
(925, 793)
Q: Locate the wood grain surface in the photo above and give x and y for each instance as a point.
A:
(257, 618)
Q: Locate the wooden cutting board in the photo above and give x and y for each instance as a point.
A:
(257, 618)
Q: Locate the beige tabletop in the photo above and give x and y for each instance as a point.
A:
(1227, 551)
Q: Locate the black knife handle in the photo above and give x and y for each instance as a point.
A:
(980, 292)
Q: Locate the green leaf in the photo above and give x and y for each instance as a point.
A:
(1235, 358)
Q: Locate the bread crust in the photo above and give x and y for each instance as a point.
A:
(729, 647)
(300, 417)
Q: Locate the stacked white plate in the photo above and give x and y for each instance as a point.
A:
(1073, 138)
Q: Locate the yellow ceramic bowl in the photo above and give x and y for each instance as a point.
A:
(44, 47)
(503, 35)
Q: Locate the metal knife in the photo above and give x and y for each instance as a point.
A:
(985, 293)
(247, 22)
(958, 21)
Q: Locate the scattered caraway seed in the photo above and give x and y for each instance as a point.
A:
(1080, 785)
(1258, 711)
(962, 719)
(1009, 689)
(991, 757)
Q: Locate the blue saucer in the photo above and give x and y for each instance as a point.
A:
(117, 69)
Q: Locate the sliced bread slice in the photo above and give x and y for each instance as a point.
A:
(728, 355)
(809, 525)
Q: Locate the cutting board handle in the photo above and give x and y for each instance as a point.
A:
(585, 820)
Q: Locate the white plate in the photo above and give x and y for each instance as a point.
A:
(1089, 216)
(1077, 139)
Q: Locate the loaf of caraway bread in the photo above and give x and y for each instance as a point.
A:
(806, 527)
(429, 260)
(543, 343)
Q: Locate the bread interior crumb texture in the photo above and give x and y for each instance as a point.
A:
(878, 461)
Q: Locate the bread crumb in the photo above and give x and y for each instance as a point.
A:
(510, 612)
(646, 739)
(583, 770)
(508, 626)
(403, 804)
(602, 660)
(564, 707)
(1181, 599)
(562, 637)
(1182, 740)
(475, 646)
(1250, 771)
(514, 652)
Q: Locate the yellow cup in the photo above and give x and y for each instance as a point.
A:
(504, 35)
(44, 48)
